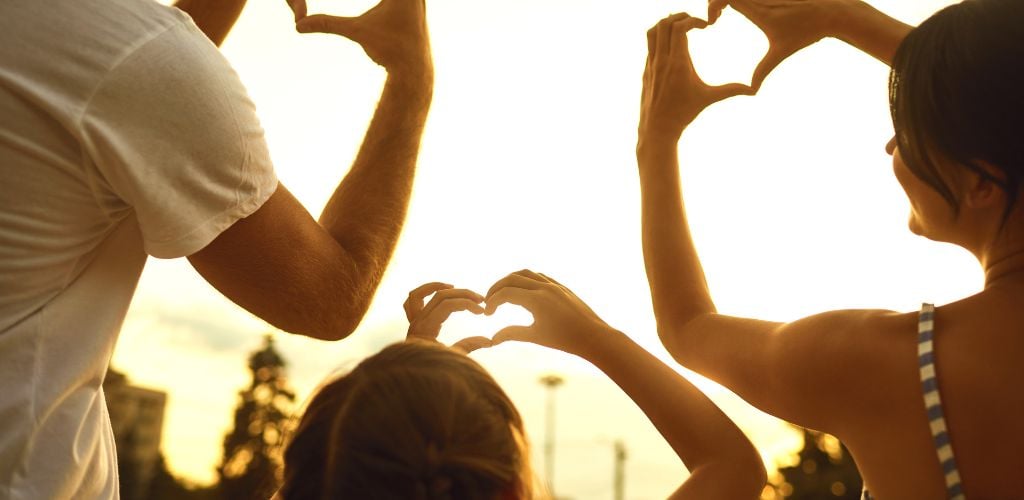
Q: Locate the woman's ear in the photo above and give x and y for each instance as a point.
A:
(983, 189)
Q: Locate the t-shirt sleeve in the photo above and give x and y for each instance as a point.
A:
(174, 137)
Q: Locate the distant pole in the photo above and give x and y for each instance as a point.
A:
(551, 382)
(620, 470)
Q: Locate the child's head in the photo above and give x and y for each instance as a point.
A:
(415, 421)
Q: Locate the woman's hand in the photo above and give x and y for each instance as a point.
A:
(790, 25)
(425, 320)
(561, 320)
(673, 94)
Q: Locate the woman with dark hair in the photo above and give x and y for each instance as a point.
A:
(421, 421)
(902, 391)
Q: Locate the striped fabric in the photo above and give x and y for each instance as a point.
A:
(933, 404)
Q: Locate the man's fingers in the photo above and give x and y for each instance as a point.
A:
(514, 333)
(679, 44)
(726, 91)
(298, 8)
(470, 344)
(663, 42)
(322, 23)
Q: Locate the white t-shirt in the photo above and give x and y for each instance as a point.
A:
(123, 132)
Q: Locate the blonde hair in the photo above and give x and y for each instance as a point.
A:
(416, 421)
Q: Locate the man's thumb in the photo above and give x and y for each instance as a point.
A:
(321, 23)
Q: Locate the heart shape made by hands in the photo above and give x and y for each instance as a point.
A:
(727, 51)
(464, 325)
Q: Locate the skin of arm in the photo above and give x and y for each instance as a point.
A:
(213, 17)
(318, 279)
(764, 362)
(791, 25)
(722, 461)
(867, 29)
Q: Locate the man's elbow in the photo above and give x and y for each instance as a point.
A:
(331, 322)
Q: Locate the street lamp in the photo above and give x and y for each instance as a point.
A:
(551, 382)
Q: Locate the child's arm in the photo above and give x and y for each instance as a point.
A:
(722, 461)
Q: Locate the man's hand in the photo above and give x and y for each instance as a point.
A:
(393, 33)
(790, 26)
(673, 93)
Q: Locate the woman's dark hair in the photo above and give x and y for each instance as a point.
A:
(956, 92)
(417, 421)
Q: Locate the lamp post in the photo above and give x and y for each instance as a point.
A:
(620, 470)
(551, 382)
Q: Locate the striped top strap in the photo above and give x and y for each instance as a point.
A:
(933, 402)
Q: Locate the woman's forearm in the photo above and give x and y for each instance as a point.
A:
(866, 28)
(679, 291)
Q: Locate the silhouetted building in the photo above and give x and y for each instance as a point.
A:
(137, 419)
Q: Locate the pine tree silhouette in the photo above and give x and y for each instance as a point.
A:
(251, 467)
(826, 470)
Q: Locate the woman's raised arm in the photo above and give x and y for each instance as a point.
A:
(764, 362)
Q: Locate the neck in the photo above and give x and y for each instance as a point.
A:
(1004, 267)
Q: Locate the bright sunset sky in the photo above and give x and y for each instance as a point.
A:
(528, 162)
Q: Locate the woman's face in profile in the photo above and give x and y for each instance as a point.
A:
(930, 215)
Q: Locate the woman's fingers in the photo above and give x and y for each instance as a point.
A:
(414, 304)
(513, 333)
(771, 60)
(455, 295)
(527, 298)
(520, 279)
(470, 344)
(428, 324)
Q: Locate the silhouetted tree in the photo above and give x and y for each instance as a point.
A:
(165, 486)
(251, 467)
(826, 470)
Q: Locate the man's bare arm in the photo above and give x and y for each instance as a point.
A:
(213, 17)
(319, 279)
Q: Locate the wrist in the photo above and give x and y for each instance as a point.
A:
(603, 343)
(838, 15)
(653, 148)
(412, 81)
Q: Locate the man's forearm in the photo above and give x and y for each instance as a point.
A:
(679, 290)
(366, 212)
(867, 29)
(213, 17)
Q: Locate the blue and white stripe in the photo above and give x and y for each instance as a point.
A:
(933, 402)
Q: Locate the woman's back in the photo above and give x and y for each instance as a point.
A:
(978, 352)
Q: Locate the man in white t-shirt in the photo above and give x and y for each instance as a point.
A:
(125, 133)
